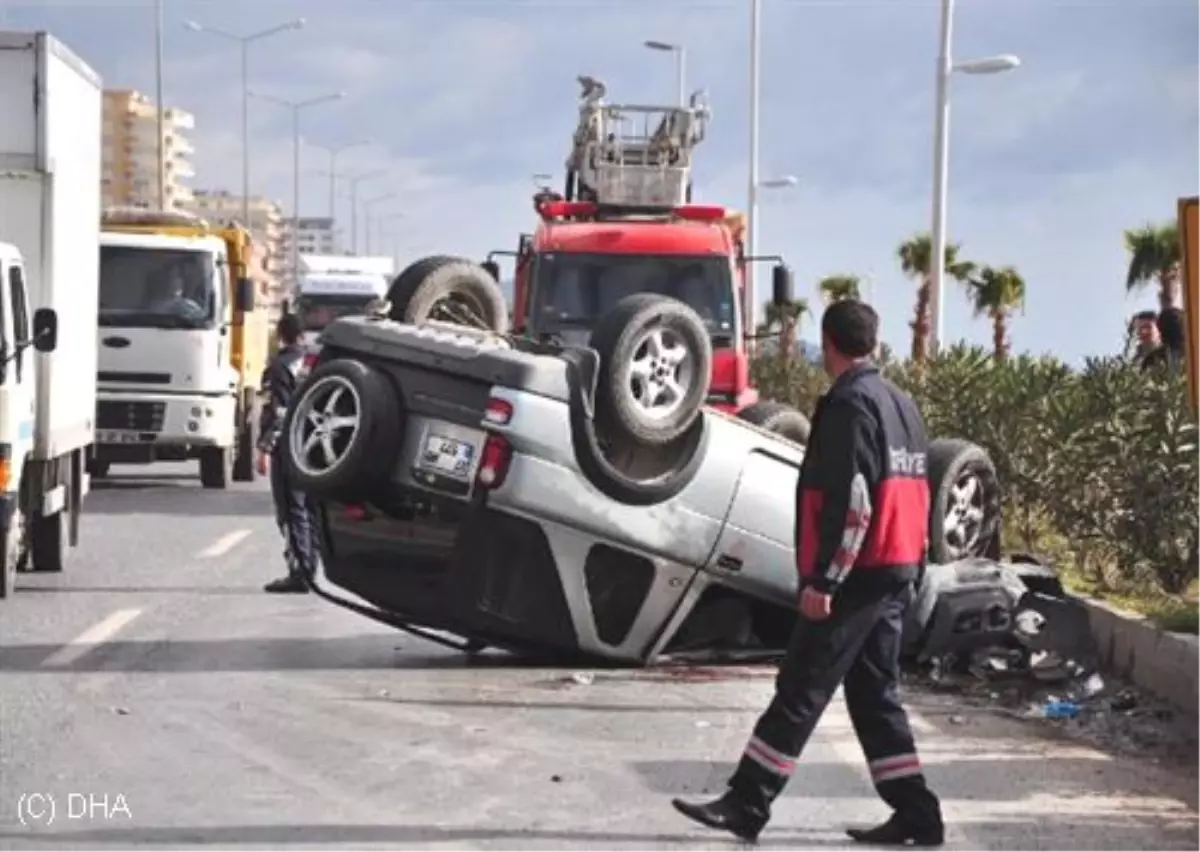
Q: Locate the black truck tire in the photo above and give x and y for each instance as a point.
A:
(243, 462)
(645, 329)
(451, 289)
(779, 418)
(964, 505)
(364, 452)
(48, 543)
(216, 466)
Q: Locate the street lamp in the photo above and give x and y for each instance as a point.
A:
(680, 63)
(354, 181)
(750, 309)
(778, 183)
(159, 120)
(782, 182)
(296, 107)
(941, 157)
(367, 205)
(333, 151)
(244, 42)
(381, 221)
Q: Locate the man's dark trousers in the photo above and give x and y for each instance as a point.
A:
(294, 519)
(859, 646)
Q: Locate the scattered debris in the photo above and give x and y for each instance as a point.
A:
(958, 720)
(121, 711)
(583, 678)
(557, 779)
(1060, 709)
(703, 724)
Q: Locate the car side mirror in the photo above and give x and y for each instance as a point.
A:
(45, 330)
(492, 268)
(782, 285)
(244, 297)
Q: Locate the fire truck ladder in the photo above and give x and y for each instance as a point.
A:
(626, 155)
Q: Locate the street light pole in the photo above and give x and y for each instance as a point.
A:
(367, 205)
(750, 309)
(941, 161)
(354, 182)
(296, 107)
(244, 43)
(383, 220)
(160, 122)
(334, 151)
(680, 52)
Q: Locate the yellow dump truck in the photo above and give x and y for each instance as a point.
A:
(183, 344)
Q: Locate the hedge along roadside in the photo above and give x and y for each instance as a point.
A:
(1102, 459)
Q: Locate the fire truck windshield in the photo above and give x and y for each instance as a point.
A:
(575, 290)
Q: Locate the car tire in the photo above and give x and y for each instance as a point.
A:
(779, 418)
(964, 510)
(419, 292)
(364, 439)
(663, 335)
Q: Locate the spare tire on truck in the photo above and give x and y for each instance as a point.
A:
(779, 418)
(964, 504)
(342, 434)
(451, 289)
(655, 365)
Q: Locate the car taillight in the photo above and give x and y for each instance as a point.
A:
(498, 411)
(354, 512)
(494, 461)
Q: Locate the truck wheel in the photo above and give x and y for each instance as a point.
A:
(243, 463)
(10, 553)
(48, 543)
(964, 510)
(783, 420)
(215, 465)
(655, 360)
(343, 433)
(450, 289)
(98, 469)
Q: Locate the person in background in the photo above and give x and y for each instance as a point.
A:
(280, 380)
(1149, 346)
(862, 528)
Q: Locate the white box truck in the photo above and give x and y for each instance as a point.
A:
(50, 158)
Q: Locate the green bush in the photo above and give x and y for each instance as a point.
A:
(1102, 459)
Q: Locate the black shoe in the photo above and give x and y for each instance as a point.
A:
(898, 831)
(724, 814)
(289, 585)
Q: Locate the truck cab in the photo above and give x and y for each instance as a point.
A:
(179, 358)
(626, 224)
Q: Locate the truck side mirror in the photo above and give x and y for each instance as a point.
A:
(45, 330)
(243, 300)
(492, 268)
(782, 285)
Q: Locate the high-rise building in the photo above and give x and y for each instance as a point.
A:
(266, 230)
(130, 167)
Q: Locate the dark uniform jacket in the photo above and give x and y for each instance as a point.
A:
(862, 501)
(280, 380)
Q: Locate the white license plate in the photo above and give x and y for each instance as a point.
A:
(115, 436)
(448, 456)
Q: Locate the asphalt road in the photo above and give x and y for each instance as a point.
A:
(153, 695)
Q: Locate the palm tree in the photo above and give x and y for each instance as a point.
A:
(995, 293)
(1154, 257)
(786, 318)
(916, 261)
(836, 288)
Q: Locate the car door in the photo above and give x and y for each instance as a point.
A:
(755, 551)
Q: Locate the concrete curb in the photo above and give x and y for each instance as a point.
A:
(1131, 647)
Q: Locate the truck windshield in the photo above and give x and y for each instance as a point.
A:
(575, 290)
(318, 311)
(156, 288)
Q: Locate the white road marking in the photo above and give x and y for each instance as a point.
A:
(87, 640)
(224, 544)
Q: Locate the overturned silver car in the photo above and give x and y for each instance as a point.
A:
(481, 490)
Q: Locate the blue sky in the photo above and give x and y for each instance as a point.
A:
(467, 99)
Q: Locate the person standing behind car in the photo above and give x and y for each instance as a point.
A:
(280, 380)
(862, 529)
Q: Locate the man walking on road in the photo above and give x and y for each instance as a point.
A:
(862, 509)
(291, 509)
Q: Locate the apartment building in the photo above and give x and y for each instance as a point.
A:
(130, 168)
(266, 230)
